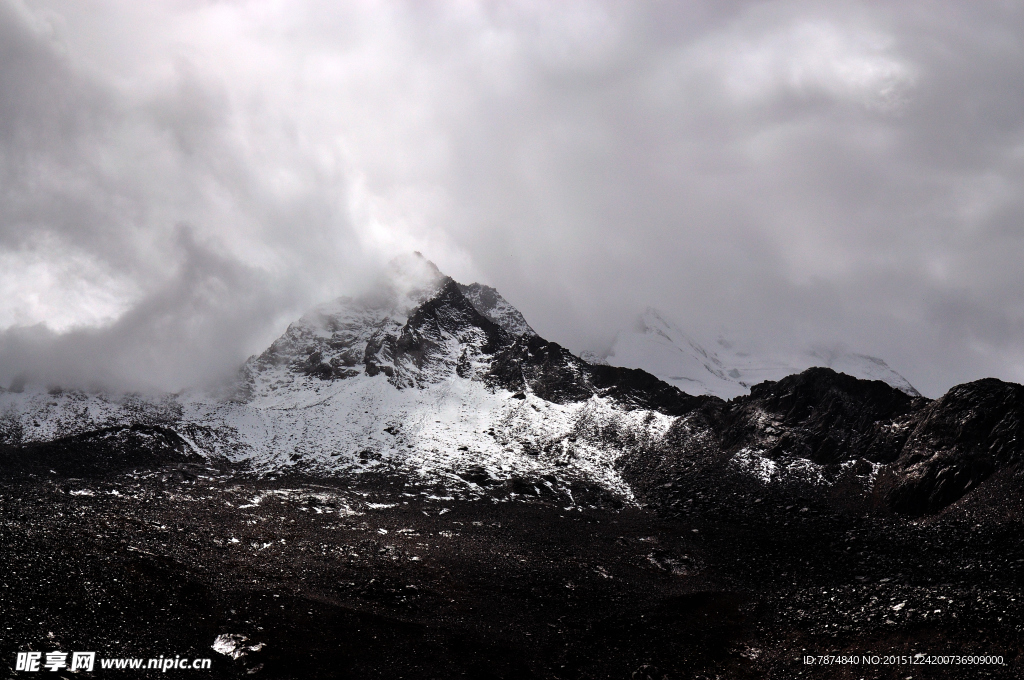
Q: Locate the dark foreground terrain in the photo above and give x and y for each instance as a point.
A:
(380, 578)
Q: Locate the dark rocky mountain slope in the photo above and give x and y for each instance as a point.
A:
(912, 455)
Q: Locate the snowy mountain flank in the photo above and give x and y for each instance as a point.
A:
(425, 377)
(420, 374)
(728, 366)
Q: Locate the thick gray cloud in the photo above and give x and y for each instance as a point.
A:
(806, 172)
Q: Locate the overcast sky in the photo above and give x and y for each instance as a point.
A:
(182, 179)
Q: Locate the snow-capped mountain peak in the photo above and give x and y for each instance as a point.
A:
(419, 374)
(729, 365)
(660, 347)
(425, 376)
(412, 345)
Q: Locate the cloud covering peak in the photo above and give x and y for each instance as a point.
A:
(847, 172)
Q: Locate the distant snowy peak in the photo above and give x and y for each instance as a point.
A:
(489, 302)
(658, 346)
(864, 367)
(728, 366)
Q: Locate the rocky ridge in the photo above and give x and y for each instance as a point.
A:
(861, 444)
(427, 377)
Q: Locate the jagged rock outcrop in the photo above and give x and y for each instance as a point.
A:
(444, 335)
(928, 454)
(492, 305)
(555, 374)
(822, 416)
(957, 442)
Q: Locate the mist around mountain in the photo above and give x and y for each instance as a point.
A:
(421, 375)
(727, 364)
(412, 483)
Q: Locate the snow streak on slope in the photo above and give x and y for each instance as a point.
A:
(660, 347)
(727, 366)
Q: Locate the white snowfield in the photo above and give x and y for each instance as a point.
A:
(728, 366)
(365, 423)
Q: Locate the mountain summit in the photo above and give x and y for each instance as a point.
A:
(424, 373)
(420, 375)
(425, 377)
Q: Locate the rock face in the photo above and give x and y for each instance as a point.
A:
(489, 302)
(821, 416)
(404, 328)
(442, 335)
(427, 377)
(554, 374)
(915, 456)
(957, 442)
